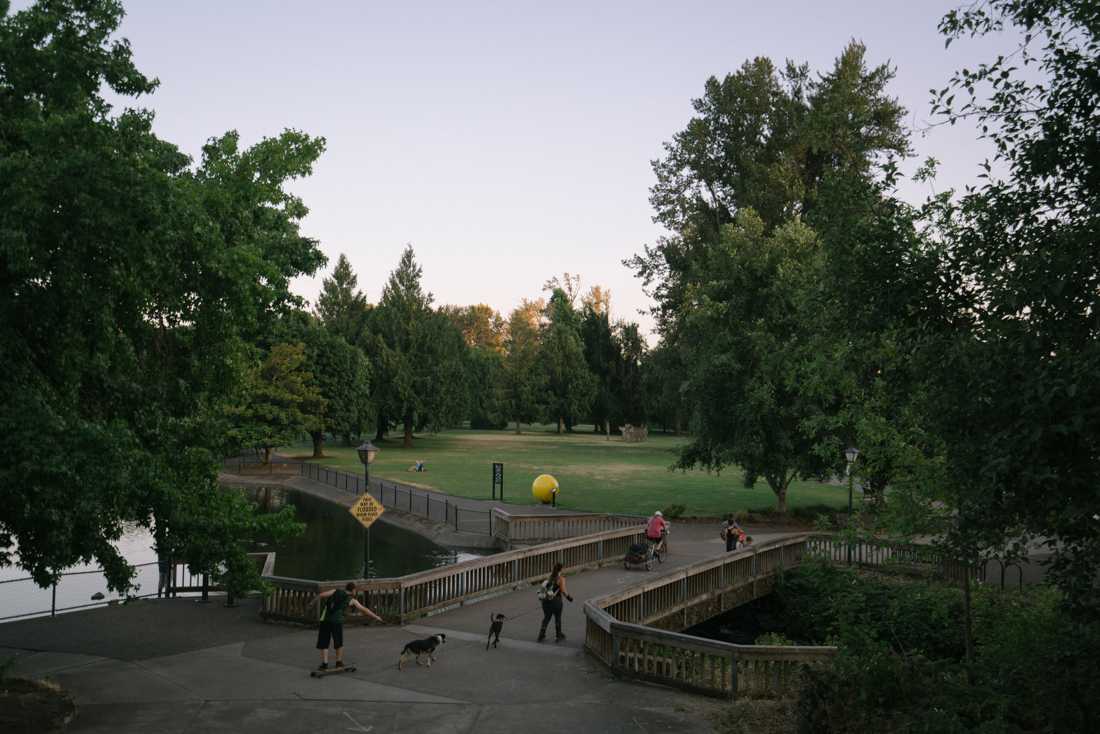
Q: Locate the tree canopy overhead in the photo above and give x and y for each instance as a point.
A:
(131, 281)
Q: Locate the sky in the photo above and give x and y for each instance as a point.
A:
(505, 141)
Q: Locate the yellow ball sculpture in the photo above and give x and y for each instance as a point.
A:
(543, 488)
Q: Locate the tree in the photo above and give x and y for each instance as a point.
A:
(602, 356)
(1011, 365)
(629, 377)
(570, 387)
(523, 381)
(341, 307)
(480, 325)
(421, 380)
(131, 282)
(341, 375)
(763, 140)
(279, 402)
(748, 409)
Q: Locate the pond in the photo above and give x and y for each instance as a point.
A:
(335, 546)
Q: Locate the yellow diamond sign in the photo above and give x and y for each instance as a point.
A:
(367, 510)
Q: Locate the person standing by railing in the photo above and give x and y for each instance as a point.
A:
(550, 594)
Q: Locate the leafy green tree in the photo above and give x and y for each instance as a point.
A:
(342, 377)
(480, 325)
(768, 140)
(748, 410)
(341, 307)
(280, 401)
(569, 386)
(1011, 387)
(131, 281)
(523, 380)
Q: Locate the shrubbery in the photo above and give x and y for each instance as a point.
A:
(902, 666)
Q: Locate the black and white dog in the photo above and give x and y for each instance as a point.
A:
(418, 648)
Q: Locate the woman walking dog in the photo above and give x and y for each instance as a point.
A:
(550, 594)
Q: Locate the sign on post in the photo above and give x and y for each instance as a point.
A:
(366, 510)
(498, 479)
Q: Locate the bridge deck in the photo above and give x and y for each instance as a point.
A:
(178, 666)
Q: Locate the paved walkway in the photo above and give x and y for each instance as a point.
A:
(180, 666)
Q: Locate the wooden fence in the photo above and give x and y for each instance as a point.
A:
(619, 631)
(511, 528)
(415, 595)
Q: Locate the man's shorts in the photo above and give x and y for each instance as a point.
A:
(327, 631)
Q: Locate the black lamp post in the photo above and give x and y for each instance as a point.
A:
(850, 454)
(367, 451)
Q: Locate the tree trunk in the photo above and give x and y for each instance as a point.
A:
(318, 444)
(267, 454)
(561, 422)
(518, 431)
(968, 631)
(381, 432)
(607, 428)
(781, 499)
(408, 443)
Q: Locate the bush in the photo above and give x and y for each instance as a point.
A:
(673, 511)
(901, 664)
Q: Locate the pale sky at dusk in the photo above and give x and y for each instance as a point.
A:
(506, 141)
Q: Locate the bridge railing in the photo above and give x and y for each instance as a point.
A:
(618, 634)
(511, 528)
(890, 555)
(415, 595)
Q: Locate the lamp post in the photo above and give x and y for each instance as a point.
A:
(850, 454)
(367, 451)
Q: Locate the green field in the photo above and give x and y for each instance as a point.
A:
(595, 474)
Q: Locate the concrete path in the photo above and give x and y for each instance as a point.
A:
(180, 666)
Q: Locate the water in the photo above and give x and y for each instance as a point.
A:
(335, 545)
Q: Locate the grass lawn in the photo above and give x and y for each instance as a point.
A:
(595, 474)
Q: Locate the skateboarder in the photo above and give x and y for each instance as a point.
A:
(333, 604)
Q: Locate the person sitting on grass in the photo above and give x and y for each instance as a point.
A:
(332, 621)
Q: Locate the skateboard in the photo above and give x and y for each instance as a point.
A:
(331, 671)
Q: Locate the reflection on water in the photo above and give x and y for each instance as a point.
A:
(335, 546)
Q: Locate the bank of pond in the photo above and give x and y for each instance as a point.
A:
(335, 546)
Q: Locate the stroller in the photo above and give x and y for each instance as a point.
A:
(640, 554)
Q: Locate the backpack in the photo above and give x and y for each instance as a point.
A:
(547, 591)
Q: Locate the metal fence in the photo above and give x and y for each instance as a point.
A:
(431, 505)
(179, 580)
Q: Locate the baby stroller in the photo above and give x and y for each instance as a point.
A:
(640, 554)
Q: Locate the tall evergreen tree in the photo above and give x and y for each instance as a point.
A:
(570, 387)
(523, 381)
(341, 307)
(421, 379)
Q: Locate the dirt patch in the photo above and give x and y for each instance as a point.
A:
(34, 707)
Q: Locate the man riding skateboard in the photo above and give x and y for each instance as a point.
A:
(334, 602)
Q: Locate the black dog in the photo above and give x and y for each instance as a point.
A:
(495, 629)
(417, 648)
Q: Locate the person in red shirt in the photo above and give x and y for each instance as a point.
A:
(655, 530)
